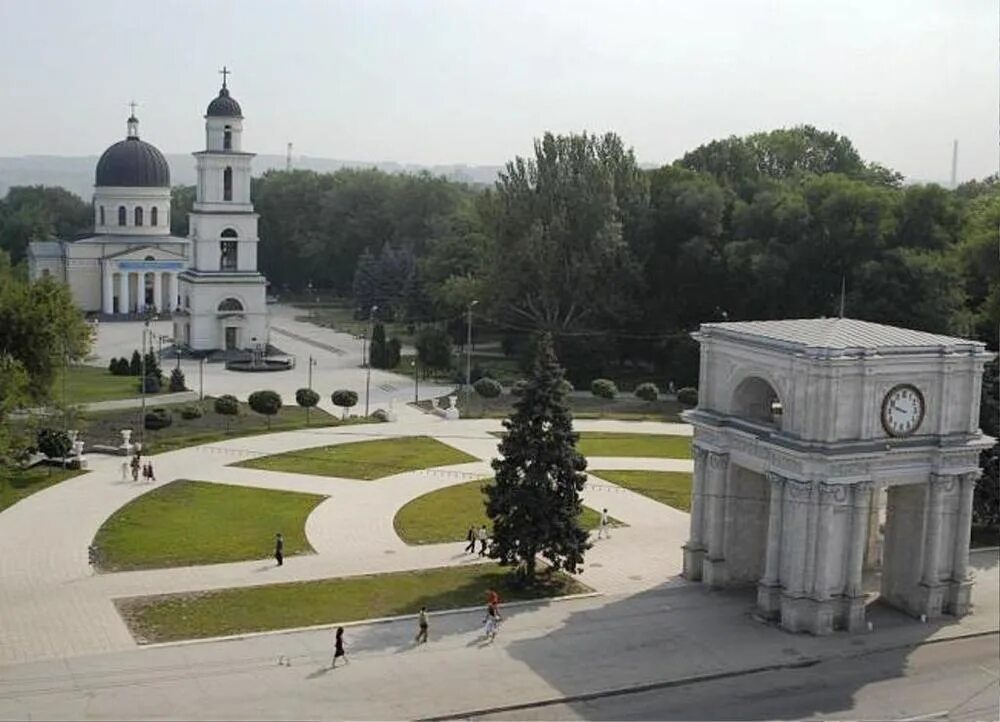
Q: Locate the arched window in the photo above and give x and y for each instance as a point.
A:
(154, 216)
(102, 215)
(227, 139)
(122, 215)
(230, 304)
(227, 184)
(138, 215)
(228, 257)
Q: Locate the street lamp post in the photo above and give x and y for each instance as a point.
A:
(201, 379)
(468, 352)
(142, 381)
(416, 381)
(368, 361)
(178, 352)
(312, 362)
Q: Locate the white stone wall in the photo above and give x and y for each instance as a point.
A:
(111, 198)
(215, 132)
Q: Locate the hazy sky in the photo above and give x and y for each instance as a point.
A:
(475, 81)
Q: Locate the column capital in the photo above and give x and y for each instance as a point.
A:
(718, 459)
(944, 482)
(775, 479)
(700, 453)
(863, 487)
(833, 493)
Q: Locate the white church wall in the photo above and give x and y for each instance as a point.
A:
(84, 279)
(111, 197)
(215, 129)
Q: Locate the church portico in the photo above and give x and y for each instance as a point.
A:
(786, 491)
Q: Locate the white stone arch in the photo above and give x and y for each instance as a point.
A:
(227, 300)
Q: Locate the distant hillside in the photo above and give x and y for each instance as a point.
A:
(76, 173)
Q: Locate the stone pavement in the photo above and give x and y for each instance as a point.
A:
(545, 652)
(54, 605)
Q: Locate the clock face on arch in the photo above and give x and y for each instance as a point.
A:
(902, 410)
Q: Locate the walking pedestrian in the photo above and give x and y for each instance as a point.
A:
(422, 624)
(279, 549)
(605, 528)
(492, 621)
(483, 536)
(149, 468)
(135, 468)
(470, 548)
(338, 647)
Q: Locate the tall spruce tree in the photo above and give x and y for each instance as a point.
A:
(534, 499)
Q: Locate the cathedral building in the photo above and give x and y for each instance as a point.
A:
(131, 266)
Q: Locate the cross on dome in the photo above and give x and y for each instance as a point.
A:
(224, 72)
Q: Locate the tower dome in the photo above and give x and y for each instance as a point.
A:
(224, 106)
(133, 163)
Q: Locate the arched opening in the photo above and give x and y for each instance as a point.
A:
(227, 138)
(229, 233)
(755, 399)
(138, 215)
(154, 216)
(228, 260)
(227, 184)
(122, 216)
(102, 215)
(230, 305)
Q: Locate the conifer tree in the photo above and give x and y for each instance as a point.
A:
(534, 500)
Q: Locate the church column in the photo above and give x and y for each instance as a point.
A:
(932, 591)
(123, 299)
(714, 567)
(769, 588)
(172, 291)
(854, 612)
(158, 291)
(694, 550)
(140, 292)
(961, 581)
(108, 289)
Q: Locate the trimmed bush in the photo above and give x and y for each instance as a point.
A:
(393, 351)
(265, 402)
(54, 443)
(687, 396)
(158, 418)
(191, 412)
(135, 365)
(518, 387)
(487, 388)
(566, 387)
(603, 388)
(647, 392)
(123, 368)
(380, 415)
(306, 398)
(227, 405)
(152, 384)
(177, 380)
(345, 399)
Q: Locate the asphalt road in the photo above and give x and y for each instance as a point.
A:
(956, 680)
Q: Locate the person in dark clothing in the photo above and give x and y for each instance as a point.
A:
(338, 648)
(279, 549)
(470, 548)
(135, 467)
(483, 537)
(423, 625)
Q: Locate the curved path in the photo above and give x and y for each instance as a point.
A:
(54, 605)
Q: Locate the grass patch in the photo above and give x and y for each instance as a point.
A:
(364, 459)
(87, 384)
(660, 446)
(17, 484)
(196, 522)
(672, 488)
(174, 617)
(623, 408)
(444, 515)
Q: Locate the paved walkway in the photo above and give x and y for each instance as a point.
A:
(55, 606)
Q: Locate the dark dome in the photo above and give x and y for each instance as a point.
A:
(224, 106)
(135, 163)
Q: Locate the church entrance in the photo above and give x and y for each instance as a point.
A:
(231, 337)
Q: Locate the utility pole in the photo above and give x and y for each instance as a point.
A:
(288, 158)
(954, 164)
(416, 381)
(201, 379)
(468, 352)
(368, 361)
(843, 293)
(311, 364)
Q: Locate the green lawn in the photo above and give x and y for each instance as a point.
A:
(16, 484)
(445, 515)
(174, 617)
(196, 522)
(364, 459)
(672, 488)
(85, 384)
(602, 443)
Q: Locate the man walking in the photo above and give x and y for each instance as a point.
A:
(279, 549)
(470, 548)
(604, 529)
(482, 540)
(422, 624)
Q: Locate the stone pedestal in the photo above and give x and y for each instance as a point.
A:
(958, 597)
(803, 614)
(930, 600)
(694, 559)
(769, 600)
(854, 614)
(713, 572)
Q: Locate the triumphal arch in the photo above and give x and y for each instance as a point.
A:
(805, 432)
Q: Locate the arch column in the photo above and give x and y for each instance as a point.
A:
(769, 588)
(714, 566)
(694, 550)
(107, 289)
(854, 602)
(960, 587)
(932, 589)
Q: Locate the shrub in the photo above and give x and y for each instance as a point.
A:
(434, 348)
(158, 418)
(306, 398)
(113, 366)
(123, 368)
(177, 380)
(135, 366)
(344, 398)
(687, 396)
(518, 387)
(227, 405)
(191, 412)
(566, 387)
(487, 388)
(393, 350)
(647, 392)
(54, 443)
(265, 402)
(380, 415)
(152, 384)
(603, 388)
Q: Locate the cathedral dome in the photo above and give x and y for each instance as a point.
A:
(133, 163)
(224, 106)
